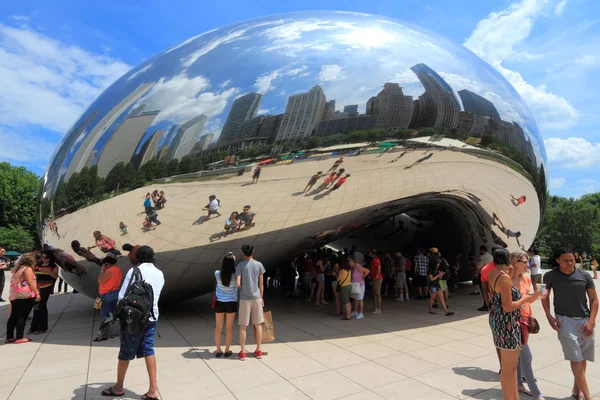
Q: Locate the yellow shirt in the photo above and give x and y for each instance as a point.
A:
(344, 277)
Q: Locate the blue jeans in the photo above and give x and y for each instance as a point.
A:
(109, 303)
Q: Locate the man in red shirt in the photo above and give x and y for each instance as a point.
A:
(376, 281)
(337, 184)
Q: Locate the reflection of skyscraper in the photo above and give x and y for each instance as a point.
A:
(392, 108)
(242, 109)
(438, 106)
(351, 110)
(65, 147)
(120, 147)
(88, 144)
(270, 127)
(205, 140)
(148, 150)
(476, 104)
(186, 138)
(303, 113)
(329, 110)
(90, 160)
(162, 154)
(370, 106)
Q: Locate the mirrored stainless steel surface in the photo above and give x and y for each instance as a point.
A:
(464, 164)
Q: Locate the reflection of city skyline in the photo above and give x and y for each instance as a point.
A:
(306, 114)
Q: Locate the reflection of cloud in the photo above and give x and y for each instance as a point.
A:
(367, 38)
(572, 152)
(556, 183)
(330, 73)
(140, 71)
(207, 47)
(48, 83)
(263, 82)
(262, 111)
(560, 8)
(181, 98)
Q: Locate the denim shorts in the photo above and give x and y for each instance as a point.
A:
(434, 289)
(140, 345)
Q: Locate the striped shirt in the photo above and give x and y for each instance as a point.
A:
(421, 263)
(42, 274)
(226, 293)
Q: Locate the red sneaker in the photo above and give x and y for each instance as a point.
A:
(7, 341)
(242, 356)
(24, 340)
(258, 354)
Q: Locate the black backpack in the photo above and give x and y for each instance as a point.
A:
(136, 307)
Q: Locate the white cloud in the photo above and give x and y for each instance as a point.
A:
(140, 71)
(264, 82)
(182, 98)
(226, 83)
(209, 46)
(572, 152)
(21, 18)
(495, 38)
(24, 148)
(262, 111)
(557, 183)
(330, 72)
(48, 83)
(559, 9)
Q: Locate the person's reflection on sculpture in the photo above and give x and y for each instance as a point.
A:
(337, 185)
(312, 181)
(420, 160)
(160, 200)
(84, 252)
(256, 174)
(509, 233)
(104, 243)
(212, 206)
(132, 251)
(328, 181)
(336, 164)
(246, 218)
(232, 223)
(517, 201)
(399, 157)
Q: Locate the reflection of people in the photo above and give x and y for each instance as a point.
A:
(420, 160)
(518, 201)
(509, 233)
(574, 320)
(213, 206)
(312, 181)
(328, 181)
(148, 201)
(246, 218)
(256, 174)
(397, 158)
(232, 222)
(123, 228)
(132, 250)
(104, 243)
(160, 200)
(337, 184)
(336, 164)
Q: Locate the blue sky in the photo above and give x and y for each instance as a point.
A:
(55, 59)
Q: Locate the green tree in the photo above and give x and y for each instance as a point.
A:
(114, 178)
(173, 167)
(16, 238)
(18, 197)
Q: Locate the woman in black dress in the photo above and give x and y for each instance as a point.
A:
(505, 305)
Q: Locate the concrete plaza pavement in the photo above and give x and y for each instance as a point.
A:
(405, 353)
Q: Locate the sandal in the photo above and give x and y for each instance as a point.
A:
(146, 397)
(111, 393)
(100, 338)
(432, 313)
(525, 392)
(228, 354)
(218, 354)
(344, 318)
(449, 313)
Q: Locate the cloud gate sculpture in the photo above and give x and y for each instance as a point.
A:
(440, 151)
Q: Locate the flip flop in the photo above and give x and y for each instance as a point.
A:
(433, 313)
(344, 318)
(110, 393)
(218, 354)
(228, 354)
(525, 392)
(146, 397)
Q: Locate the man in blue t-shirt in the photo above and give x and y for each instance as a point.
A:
(249, 278)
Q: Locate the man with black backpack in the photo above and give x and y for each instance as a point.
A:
(138, 313)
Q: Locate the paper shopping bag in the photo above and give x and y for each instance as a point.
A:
(268, 328)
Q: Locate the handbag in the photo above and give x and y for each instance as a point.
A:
(355, 288)
(533, 325)
(22, 291)
(213, 303)
(98, 303)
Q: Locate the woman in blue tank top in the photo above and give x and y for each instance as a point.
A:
(226, 303)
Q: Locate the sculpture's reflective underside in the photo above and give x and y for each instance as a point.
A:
(469, 149)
